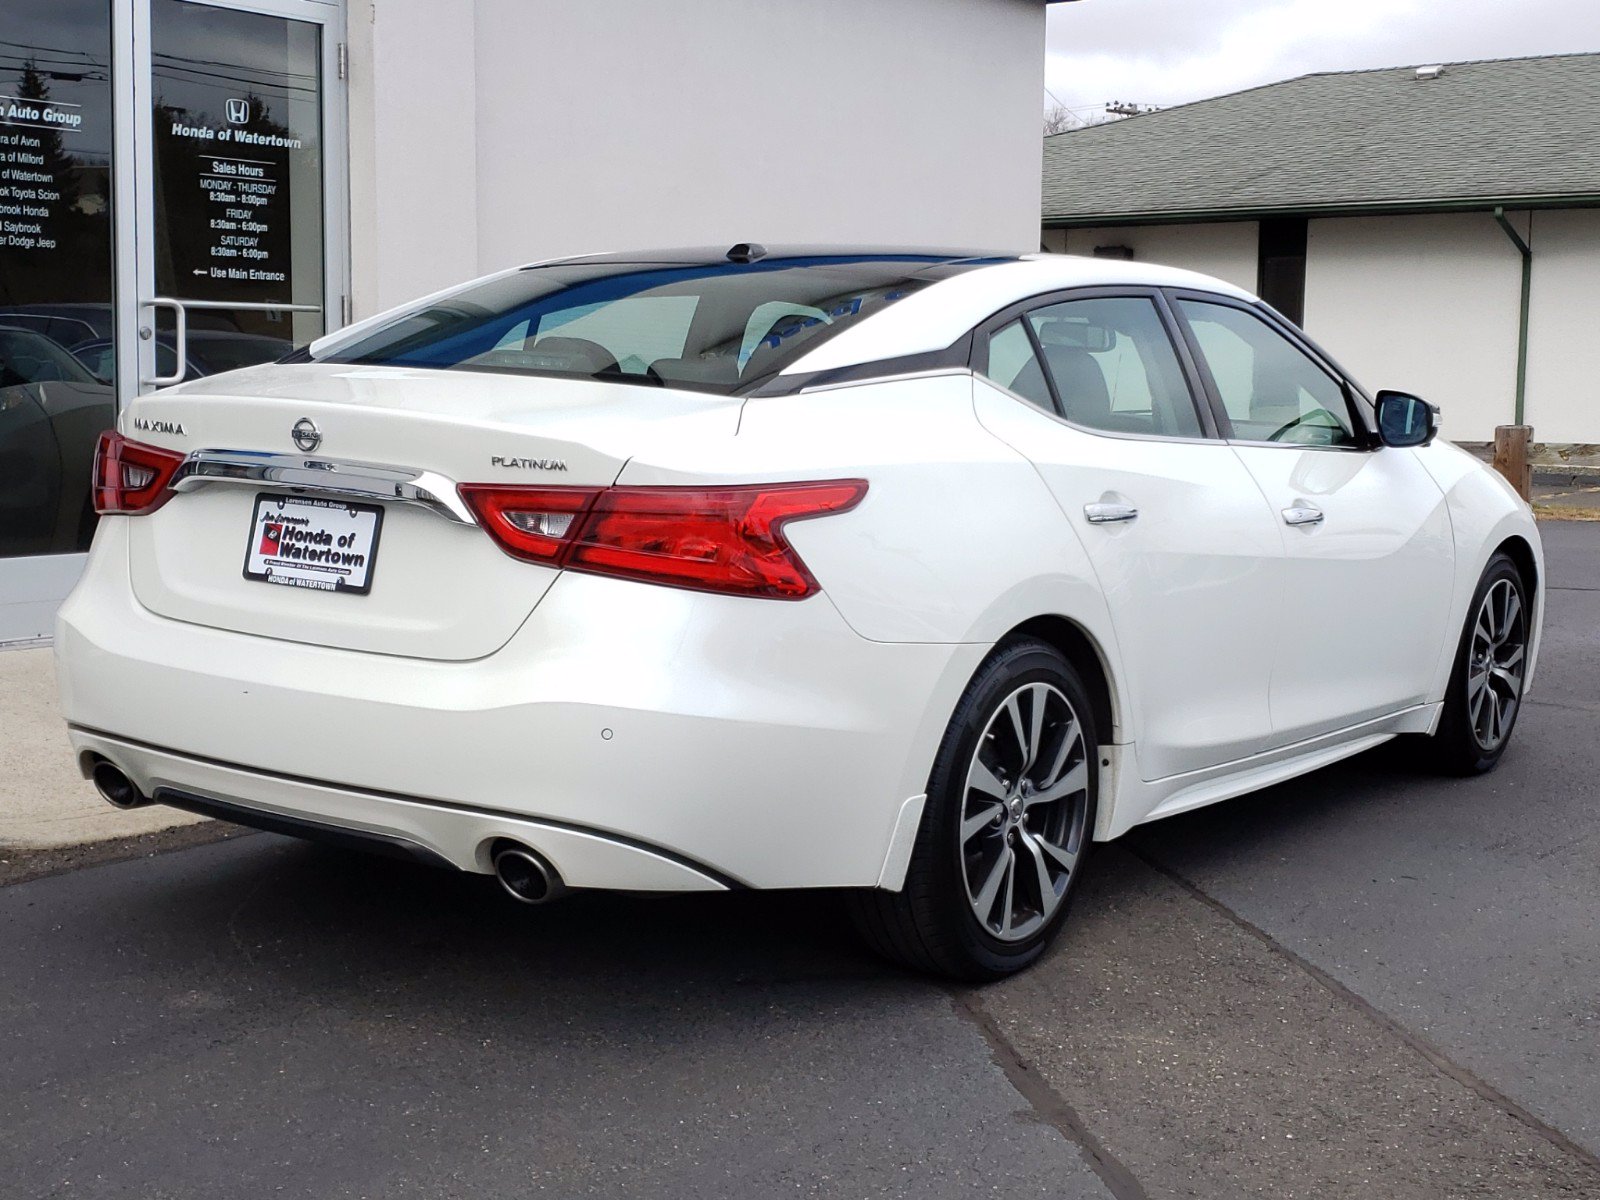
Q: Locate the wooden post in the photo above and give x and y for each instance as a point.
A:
(1513, 446)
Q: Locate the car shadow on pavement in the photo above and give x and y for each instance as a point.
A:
(350, 922)
(345, 913)
(334, 915)
(308, 915)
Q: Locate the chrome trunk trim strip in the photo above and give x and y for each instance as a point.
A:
(325, 477)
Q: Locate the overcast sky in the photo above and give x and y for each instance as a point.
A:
(1173, 51)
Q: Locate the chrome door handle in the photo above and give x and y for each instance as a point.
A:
(1105, 514)
(1302, 514)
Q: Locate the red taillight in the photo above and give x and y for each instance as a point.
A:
(532, 523)
(726, 539)
(131, 477)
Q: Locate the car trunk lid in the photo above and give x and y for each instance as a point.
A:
(437, 587)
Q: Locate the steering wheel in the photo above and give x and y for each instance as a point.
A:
(1300, 420)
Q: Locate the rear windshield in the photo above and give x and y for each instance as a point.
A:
(715, 327)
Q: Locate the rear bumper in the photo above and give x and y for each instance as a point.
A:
(639, 737)
(400, 826)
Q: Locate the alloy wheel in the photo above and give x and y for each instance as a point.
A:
(1024, 811)
(1496, 665)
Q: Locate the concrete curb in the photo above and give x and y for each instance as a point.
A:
(44, 803)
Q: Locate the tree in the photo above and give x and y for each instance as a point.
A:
(1058, 118)
(61, 165)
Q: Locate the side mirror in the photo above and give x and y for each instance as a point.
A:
(1406, 420)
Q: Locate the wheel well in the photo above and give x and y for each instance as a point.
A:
(1520, 553)
(1076, 646)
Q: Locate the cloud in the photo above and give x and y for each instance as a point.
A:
(1174, 51)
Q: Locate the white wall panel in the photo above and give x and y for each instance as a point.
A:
(487, 133)
(620, 123)
(1427, 304)
(1564, 327)
(413, 149)
(1227, 250)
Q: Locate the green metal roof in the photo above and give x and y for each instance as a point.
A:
(1514, 131)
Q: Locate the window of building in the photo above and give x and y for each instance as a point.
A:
(1281, 272)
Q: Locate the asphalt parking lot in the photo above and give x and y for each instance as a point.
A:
(1366, 983)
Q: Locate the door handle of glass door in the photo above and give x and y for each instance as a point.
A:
(180, 342)
(1107, 514)
(1302, 514)
(180, 329)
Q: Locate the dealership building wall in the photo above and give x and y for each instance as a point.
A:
(1428, 303)
(513, 131)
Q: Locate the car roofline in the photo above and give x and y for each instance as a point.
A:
(711, 255)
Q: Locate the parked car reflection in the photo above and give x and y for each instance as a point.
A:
(210, 352)
(65, 324)
(52, 410)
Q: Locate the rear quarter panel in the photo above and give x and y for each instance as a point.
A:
(957, 541)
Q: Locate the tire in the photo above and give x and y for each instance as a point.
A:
(985, 769)
(1485, 694)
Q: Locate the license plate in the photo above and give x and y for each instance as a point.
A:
(313, 542)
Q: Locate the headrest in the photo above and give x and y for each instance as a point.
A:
(578, 355)
(720, 372)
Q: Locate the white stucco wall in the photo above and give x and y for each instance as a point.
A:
(1426, 304)
(413, 149)
(490, 132)
(1227, 250)
(1564, 327)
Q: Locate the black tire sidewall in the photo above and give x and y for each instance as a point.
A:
(1458, 744)
(1012, 666)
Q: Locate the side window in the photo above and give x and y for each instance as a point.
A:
(765, 319)
(1013, 365)
(1272, 391)
(1115, 368)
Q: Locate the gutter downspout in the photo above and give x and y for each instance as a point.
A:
(1527, 292)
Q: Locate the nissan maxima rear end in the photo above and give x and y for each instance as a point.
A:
(714, 570)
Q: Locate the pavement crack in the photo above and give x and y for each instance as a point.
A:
(1048, 1104)
(1432, 1054)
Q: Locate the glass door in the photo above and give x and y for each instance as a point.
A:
(172, 205)
(242, 200)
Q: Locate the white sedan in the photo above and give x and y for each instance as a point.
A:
(908, 573)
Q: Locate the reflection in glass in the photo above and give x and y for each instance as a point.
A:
(55, 267)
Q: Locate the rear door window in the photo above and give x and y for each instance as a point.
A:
(1114, 367)
(1013, 364)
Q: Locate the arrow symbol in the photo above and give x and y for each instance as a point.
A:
(201, 271)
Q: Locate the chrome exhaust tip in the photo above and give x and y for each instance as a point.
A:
(527, 877)
(117, 788)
